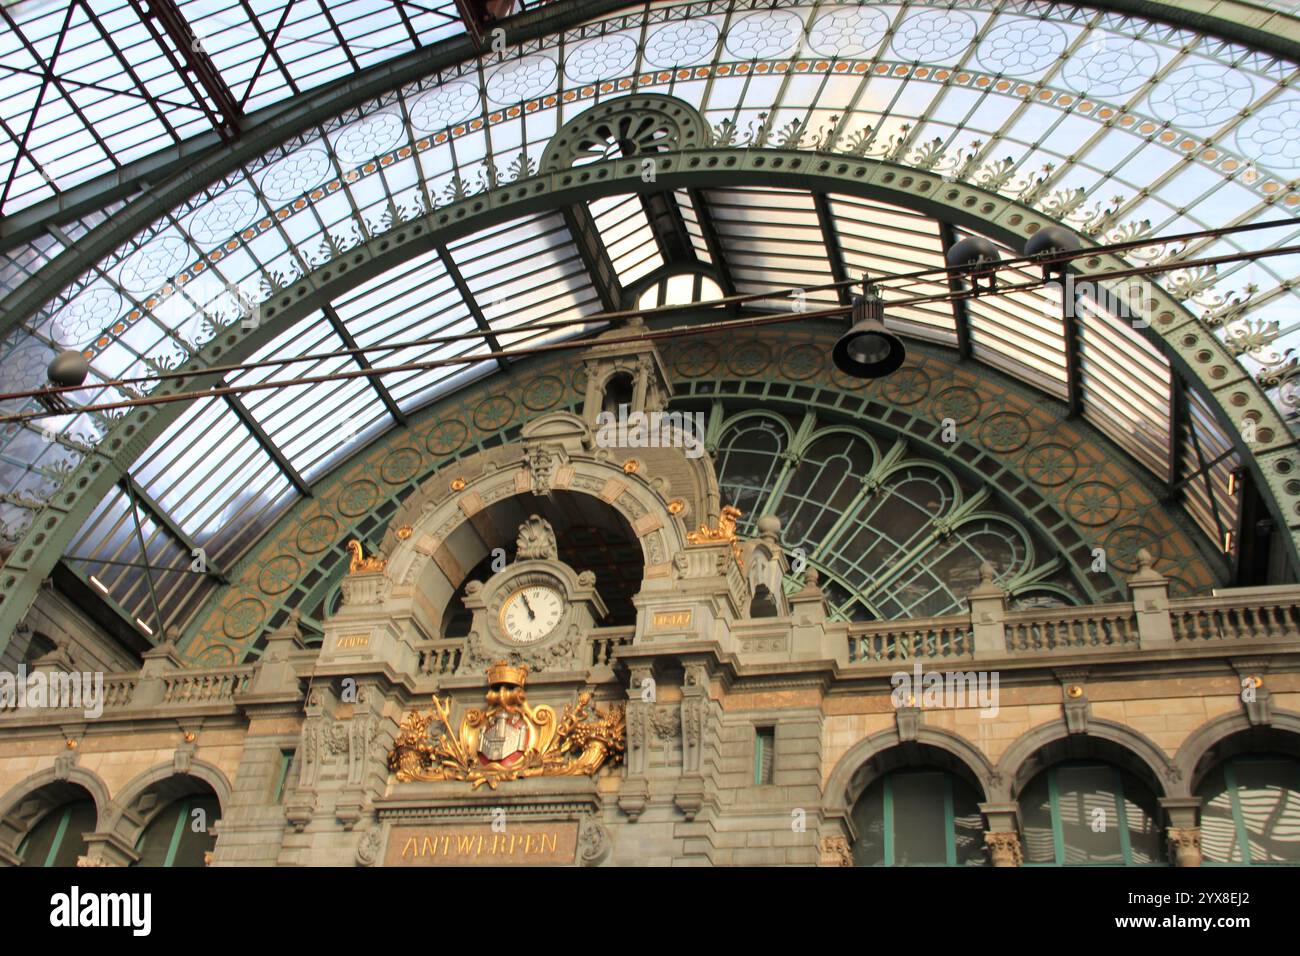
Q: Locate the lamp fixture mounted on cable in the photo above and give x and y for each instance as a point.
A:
(868, 349)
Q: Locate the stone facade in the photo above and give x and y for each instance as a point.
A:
(748, 739)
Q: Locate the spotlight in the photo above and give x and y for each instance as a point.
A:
(971, 255)
(868, 349)
(68, 369)
(1052, 241)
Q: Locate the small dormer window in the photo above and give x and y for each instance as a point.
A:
(619, 390)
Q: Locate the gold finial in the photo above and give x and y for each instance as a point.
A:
(360, 563)
(458, 484)
(676, 506)
(404, 532)
(503, 672)
(631, 466)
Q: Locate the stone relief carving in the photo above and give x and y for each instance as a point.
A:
(666, 722)
(594, 842)
(536, 541)
(369, 847)
(474, 657)
(541, 462)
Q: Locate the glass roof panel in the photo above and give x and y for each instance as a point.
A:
(629, 240)
(1097, 119)
(1020, 331)
(313, 425)
(772, 239)
(414, 301)
(214, 479)
(86, 88)
(878, 240)
(525, 273)
(1125, 382)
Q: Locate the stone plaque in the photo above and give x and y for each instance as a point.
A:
(519, 844)
(664, 620)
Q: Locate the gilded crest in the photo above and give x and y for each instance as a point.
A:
(509, 739)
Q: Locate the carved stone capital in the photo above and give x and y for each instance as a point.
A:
(836, 851)
(1004, 848)
(1184, 845)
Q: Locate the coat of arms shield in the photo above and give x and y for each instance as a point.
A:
(502, 740)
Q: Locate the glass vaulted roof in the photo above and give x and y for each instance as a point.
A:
(87, 86)
(1118, 126)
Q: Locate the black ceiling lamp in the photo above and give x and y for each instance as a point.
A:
(1052, 242)
(972, 256)
(68, 370)
(868, 349)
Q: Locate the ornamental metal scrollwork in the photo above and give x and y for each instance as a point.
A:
(629, 126)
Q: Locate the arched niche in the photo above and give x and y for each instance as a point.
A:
(1233, 735)
(25, 806)
(870, 759)
(1106, 742)
(160, 790)
(462, 513)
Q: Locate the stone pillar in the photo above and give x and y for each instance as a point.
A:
(151, 687)
(252, 823)
(634, 792)
(1150, 593)
(988, 608)
(1184, 831)
(810, 639)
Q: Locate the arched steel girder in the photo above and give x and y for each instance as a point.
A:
(1191, 349)
(189, 167)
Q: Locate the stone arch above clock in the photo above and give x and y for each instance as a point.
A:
(432, 544)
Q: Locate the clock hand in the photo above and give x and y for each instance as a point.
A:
(528, 607)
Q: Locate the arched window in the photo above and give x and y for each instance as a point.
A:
(180, 833)
(824, 484)
(907, 544)
(749, 462)
(57, 839)
(890, 522)
(1251, 813)
(1080, 813)
(939, 582)
(918, 817)
(619, 390)
(680, 289)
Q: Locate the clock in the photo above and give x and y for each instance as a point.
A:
(536, 611)
(531, 613)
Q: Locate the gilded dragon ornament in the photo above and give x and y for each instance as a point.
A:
(509, 739)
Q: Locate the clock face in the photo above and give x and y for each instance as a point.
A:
(531, 613)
